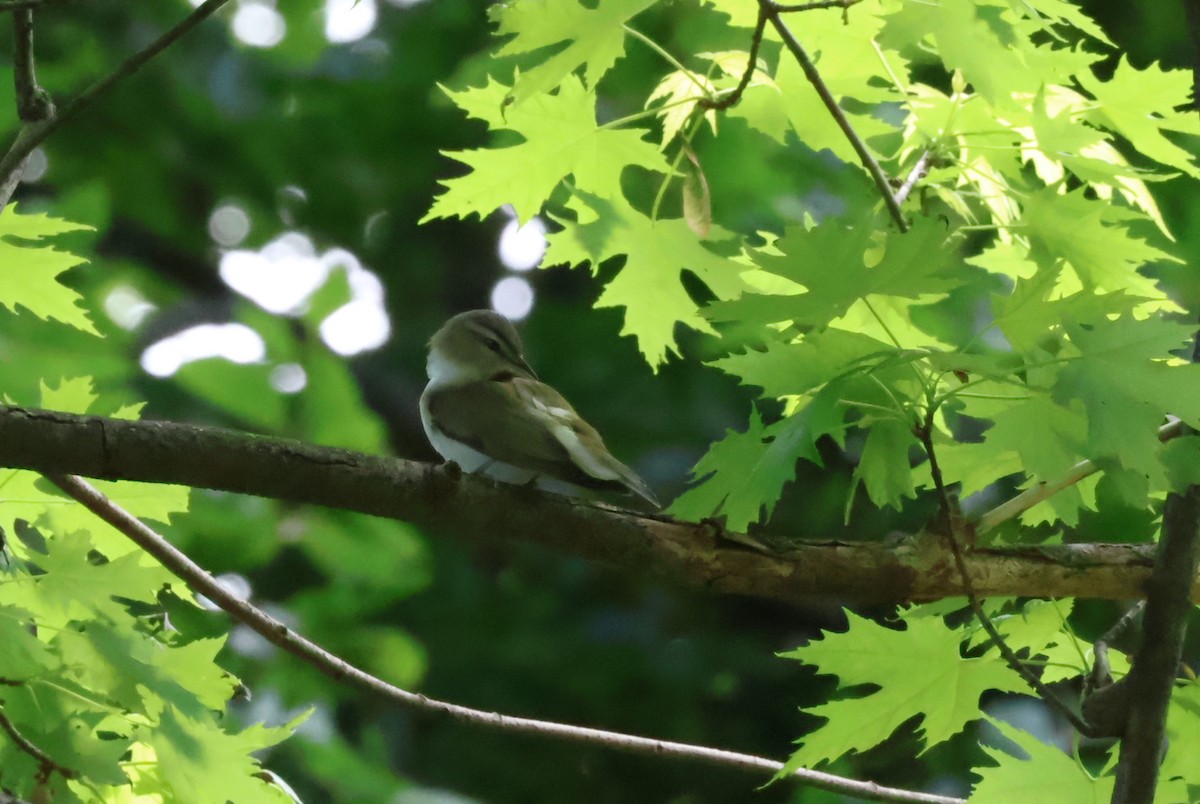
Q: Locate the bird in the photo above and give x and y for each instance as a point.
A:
(485, 409)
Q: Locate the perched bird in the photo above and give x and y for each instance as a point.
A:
(486, 410)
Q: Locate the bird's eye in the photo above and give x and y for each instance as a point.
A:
(493, 344)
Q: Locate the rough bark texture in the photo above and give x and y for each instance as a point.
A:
(447, 502)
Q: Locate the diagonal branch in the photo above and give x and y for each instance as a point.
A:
(46, 762)
(446, 502)
(342, 671)
(751, 65)
(33, 134)
(1044, 491)
(953, 524)
(868, 160)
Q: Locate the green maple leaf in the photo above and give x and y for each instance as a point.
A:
(1141, 104)
(1088, 236)
(31, 278)
(1034, 311)
(561, 138)
(786, 369)
(74, 588)
(742, 476)
(982, 42)
(830, 262)
(650, 285)
(919, 671)
(1128, 388)
(1183, 731)
(27, 496)
(1046, 774)
(189, 749)
(594, 38)
(884, 468)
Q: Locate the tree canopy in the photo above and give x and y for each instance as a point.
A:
(892, 300)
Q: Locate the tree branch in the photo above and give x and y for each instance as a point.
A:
(751, 65)
(915, 175)
(342, 671)
(773, 12)
(1044, 491)
(33, 103)
(33, 134)
(444, 501)
(788, 9)
(47, 762)
(1155, 666)
(953, 524)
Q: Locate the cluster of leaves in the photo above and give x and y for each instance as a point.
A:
(121, 701)
(1009, 321)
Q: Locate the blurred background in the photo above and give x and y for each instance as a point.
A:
(255, 193)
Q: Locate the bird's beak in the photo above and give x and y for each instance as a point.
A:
(520, 361)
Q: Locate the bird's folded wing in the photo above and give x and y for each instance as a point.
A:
(503, 422)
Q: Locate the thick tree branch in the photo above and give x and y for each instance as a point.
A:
(1156, 663)
(868, 160)
(341, 671)
(443, 501)
(33, 134)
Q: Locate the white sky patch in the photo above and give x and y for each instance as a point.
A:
(234, 342)
(228, 225)
(259, 25)
(349, 20)
(512, 297)
(522, 247)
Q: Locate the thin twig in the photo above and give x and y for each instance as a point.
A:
(1043, 491)
(751, 65)
(1123, 622)
(810, 70)
(915, 175)
(33, 102)
(14, 5)
(952, 520)
(33, 135)
(339, 670)
(788, 9)
(47, 762)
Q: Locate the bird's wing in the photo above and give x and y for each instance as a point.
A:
(491, 416)
(528, 424)
(581, 441)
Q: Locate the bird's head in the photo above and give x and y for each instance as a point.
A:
(476, 345)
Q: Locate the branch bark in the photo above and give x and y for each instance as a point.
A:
(444, 501)
(342, 671)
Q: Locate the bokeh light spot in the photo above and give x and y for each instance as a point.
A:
(349, 20)
(512, 297)
(234, 342)
(523, 246)
(259, 25)
(289, 378)
(228, 225)
(126, 307)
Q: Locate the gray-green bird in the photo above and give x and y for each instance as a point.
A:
(486, 410)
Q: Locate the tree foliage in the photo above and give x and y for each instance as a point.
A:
(1009, 323)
